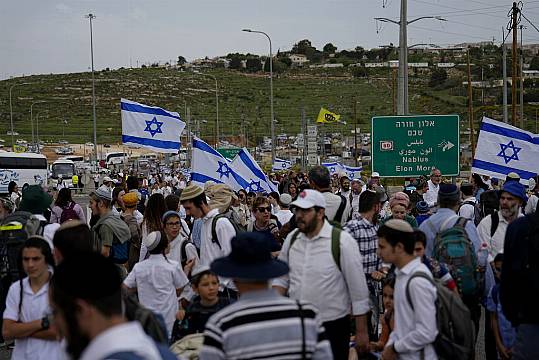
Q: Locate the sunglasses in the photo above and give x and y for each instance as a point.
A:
(263, 209)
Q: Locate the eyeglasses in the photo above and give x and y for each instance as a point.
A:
(263, 209)
(177, 223)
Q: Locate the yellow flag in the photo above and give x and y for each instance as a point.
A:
(326, 116)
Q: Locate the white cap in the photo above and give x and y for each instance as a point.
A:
(310, 198)
(375, 175)
(107, 179)
(152, 240)
(285, 199)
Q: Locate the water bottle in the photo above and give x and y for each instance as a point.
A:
(482, 256)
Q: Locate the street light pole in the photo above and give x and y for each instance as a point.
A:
(32, 118)
(91, 17)
(271, 93)
(217, 137)
(11, 112)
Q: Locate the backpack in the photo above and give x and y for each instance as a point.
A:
(68, 213)
(188, 347)
(15, 229)
(456, 334)
(335, 244)
(476, 211)
(453, 247)
(152, 323)
(489, 202)
(165, 354)
(237, 228)
(340, 210)
(119, 252)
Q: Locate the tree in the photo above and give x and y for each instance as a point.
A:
(253, 64)
(329, 48)
(181, 60)
(438, 77)
(534, 64)
(302, 47)
(235, 63)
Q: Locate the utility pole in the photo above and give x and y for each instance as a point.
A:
(304, 138)
(470, 106)
(521, 79)
(504, 67)
(403, 59)
(355, 131)
(91, 17)
(393, 92)
(242, 127)
(514, 67)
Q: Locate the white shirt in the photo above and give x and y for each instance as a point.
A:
(284, 216)
(531, 205)
(34, 307)
(431, 196)
(209, 250)
(332, 206)
(156, 280)
(124, 337)
(176, 249)
(496, 242)
(48, 230)
(415, 329)
(468, 210)
(314, 276)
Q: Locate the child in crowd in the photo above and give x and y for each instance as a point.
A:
(399, 204)
(388, 320)
(207, 302)
(504, 332)
(422, 209)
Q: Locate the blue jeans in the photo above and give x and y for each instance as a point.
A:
(527, 342)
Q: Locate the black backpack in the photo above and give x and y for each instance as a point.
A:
(476, 211)
(236, 226)
(153, 325)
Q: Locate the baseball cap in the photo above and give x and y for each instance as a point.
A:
(309, 198)
(107, 179)
(375, 175)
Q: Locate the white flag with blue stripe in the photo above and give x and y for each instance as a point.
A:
(334, 167)
(281, 164)
(352, 172)
(247, 168)
(502, 148)
(207, 164)
(150, 127)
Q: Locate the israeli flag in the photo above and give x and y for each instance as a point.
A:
(247, 168)
(281, 164)
(207, 164)
(502, 148)
(334, 167)
(150, 127)
(352, 172)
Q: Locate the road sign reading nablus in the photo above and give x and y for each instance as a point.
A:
(404, 146)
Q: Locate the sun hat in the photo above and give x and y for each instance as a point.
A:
(208, 184)
(399, 225)
(220, 196)
(35, 200)
(309, 198)
(130, 199)
(103, 192)
(422, 207)
(168, 215)
(191, 192)
(516, 189)
(250, 259)
(399, 198)
(285, 199)
(152, 240)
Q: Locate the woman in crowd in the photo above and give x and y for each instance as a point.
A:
(64, 202)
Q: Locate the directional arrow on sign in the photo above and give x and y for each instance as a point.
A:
(448, 146)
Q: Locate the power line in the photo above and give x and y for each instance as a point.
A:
(454, 8)
(532, 24)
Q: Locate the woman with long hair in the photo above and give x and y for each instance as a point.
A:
(478, 185)
(155, 209)
(14, 193)
(64, 202)
(26, 318)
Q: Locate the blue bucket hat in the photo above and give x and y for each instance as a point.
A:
(516, 189)
(250, 258)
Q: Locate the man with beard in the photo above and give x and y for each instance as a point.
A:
(326, 270)
(492, 228)
(86, 299)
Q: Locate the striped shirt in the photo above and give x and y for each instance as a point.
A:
(265, 325)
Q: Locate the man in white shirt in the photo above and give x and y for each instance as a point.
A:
(415, 320)
(467, 208)
(86, 299)
(492, 228)
(531, 205)
(337, 206)
(431, 196)
(334, 285)
(284, 214)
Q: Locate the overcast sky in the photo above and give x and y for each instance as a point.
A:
(49, 36)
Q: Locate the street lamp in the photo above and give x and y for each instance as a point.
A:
(11, 112)
(217, 139)
(37, 128)
(271, 92)
(91, 17)
(402, 108)
(32, 118)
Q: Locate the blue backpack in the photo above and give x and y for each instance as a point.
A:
(119, 252)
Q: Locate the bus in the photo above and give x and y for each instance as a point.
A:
(116, 158)
(23, 168)
(66, 168)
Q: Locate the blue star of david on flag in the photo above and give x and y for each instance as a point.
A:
(223, 170)
(254, 186)
(149, 126)
(514, 149)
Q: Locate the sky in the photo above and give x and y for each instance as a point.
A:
(49, 36)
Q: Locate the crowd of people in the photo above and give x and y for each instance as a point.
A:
(325, 267)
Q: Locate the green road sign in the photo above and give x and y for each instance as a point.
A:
(404, 146)
(229, 153)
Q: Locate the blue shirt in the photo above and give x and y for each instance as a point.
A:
(196, 233)
(507, 331)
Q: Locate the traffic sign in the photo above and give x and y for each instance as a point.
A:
(311, 131)
(405, 146)
(229, 153)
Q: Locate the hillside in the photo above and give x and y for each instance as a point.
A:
(69, 97)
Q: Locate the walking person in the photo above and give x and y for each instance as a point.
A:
(65, 208)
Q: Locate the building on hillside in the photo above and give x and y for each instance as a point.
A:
(298, 60)
(445, 65)
(530, 74)
(375, 65)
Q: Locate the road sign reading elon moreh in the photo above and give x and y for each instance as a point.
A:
(405, 146)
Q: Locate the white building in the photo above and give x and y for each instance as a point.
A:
(530, 74)
(298, 59)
